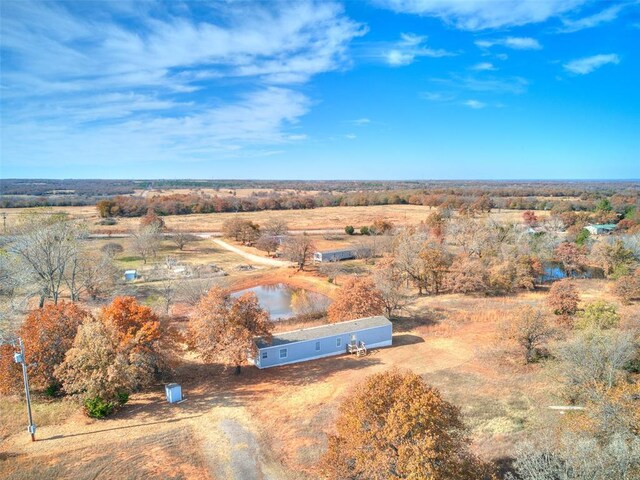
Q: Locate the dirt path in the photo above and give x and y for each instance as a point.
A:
(251, 257)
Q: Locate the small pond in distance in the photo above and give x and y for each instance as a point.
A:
(555, 271)
(283, 301)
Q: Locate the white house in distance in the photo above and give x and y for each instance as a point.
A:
(601, 229)
(339, 254)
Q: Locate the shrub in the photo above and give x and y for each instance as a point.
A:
(582, 237)
(598, 314)
(96, 407)
(349, 230)
(53, 390)
(112, 249)
(364, 230)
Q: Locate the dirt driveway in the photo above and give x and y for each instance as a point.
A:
(251, 257)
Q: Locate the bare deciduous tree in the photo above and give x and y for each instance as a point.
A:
(89, 273)
(190, 291)
(332, 269)
(146, 241)
(390, 282)
(268, 243)
(275, 227)
(181, 239)
(530, 330)
(298, 249)
(46, 248)
(595, 358)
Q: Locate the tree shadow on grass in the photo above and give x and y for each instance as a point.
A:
(406, 339)
(123, 427)
(426, 319)
(216, 385)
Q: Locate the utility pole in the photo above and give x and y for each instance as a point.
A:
(19, 357)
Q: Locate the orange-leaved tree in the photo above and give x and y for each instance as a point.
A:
(47, 334)
(563, 299)
(224, 328)
(135, 324)
(358, 298)
(114, 355)
(395, 426)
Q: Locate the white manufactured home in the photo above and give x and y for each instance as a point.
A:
(337, 255)
(324, 341)
(601, 229)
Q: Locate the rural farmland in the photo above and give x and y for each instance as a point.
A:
(320, 240)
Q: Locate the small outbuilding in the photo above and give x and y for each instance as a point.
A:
(601, 229)
(130, 275)
(173, 391)
(353, 336)
(338, 255)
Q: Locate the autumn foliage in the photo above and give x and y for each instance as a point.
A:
(134, 324)
(116, 354)
(395, 426)
(224, 329)
(358, 298)
(47, 334)
(563, 299)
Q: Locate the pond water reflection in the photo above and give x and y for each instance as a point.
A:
(555, 271)
(283, 301)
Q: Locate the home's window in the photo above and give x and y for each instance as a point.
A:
(338, 342)
(283, 353)
(317, 345)
(264, 354)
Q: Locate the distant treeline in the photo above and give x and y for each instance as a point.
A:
(295, 194)
(182, 204)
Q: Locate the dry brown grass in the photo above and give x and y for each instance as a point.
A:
(13, 414)
(309, 220)
(450, 340)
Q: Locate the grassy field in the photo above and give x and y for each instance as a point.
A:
(272, 423)
(314, 219)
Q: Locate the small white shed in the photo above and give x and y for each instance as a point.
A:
(173, 392)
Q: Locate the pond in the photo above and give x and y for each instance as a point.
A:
(553, 271)
(283, 301)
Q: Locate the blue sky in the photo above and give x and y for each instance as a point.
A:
(380, 89)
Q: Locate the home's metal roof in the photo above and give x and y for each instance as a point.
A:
(324, 331)
(339, 250)
(604, 225)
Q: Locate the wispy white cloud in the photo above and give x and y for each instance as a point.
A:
(360, 122)
(607, 15)
(515, 43)
(582, 66)
(408, 48)
(350, 136)
(483, 66)
(483, 14)
(437, 96)
(457, 100)
(475, 104)
(491, 84)
(84, 83)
